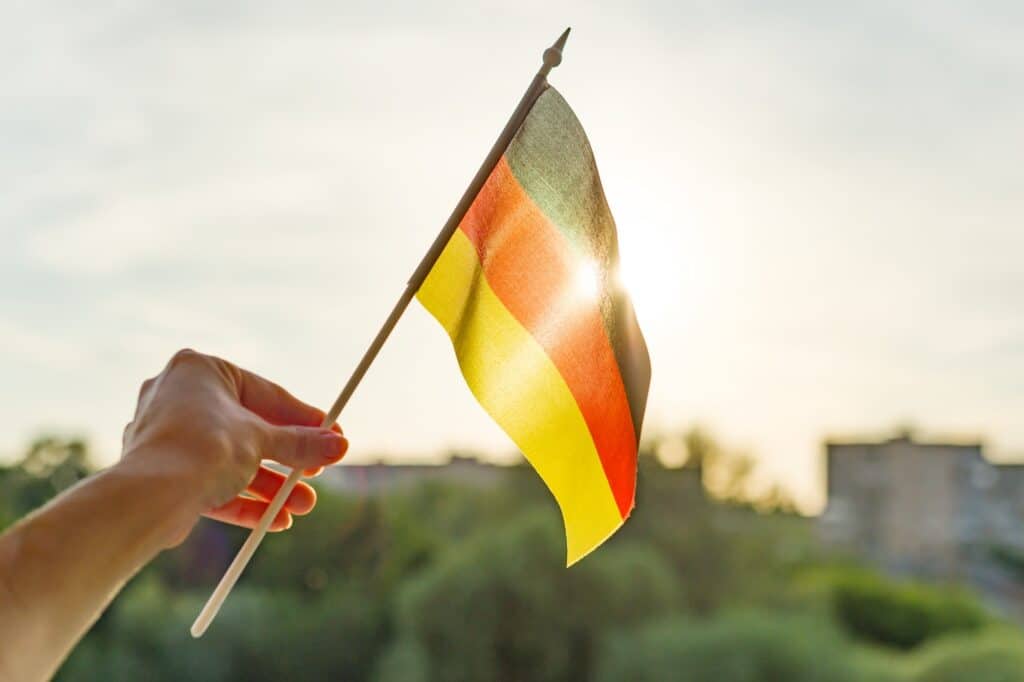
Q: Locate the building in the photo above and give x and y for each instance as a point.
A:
(381, 478)
(933, 510)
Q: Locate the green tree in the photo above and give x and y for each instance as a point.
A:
(991, 657)
(404, 661)
(50, 465)
(901, 614)
(738, 647)
(504, 607)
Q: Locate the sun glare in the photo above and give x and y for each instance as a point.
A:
(588, 280)
(653, 270)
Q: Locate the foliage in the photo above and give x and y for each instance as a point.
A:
(734, 647)
(405, 660)
(505, 608)
(991, 657)
(1010, 558)
(901, 615)
(443, 581)
(50, 465)
(260, 635)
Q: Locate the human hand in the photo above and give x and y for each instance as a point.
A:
(205, 425)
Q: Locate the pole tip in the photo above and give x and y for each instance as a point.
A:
(553, 55)
(560, 43)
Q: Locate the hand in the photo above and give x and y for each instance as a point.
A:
(206, 425)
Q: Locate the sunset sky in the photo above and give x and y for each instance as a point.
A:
(820, 207)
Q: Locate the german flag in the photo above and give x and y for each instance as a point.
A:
(527, 288)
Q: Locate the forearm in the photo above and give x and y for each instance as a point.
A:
(61, 566)
(194, 447)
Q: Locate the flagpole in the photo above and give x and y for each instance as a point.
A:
(552, 58)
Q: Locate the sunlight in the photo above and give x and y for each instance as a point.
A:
(588, 280)
(651, 271)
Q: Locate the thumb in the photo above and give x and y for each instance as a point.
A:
(304, 447)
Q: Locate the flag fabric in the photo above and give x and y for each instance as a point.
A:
(527, 288)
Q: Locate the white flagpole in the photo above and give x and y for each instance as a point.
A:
(552, 58)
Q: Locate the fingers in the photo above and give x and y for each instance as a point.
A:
(247, 513)
(275, 404)
(267, 482)
(258, 395)
(303, 447)
(244, 512)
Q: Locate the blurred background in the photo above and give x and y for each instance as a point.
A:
(819, 211)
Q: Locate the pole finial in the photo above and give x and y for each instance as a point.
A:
(553, 55)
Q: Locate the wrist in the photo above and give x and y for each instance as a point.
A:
(173, 492)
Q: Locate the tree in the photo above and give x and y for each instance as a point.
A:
(504, 607)
(992, 657)
(737, 647)
(50, 465)
(901, 614)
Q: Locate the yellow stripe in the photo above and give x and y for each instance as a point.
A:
(520, 387)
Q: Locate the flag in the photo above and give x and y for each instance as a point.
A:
(527, 288)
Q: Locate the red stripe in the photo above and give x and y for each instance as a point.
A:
(534, 271)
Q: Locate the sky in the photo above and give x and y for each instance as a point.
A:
(819, 208)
